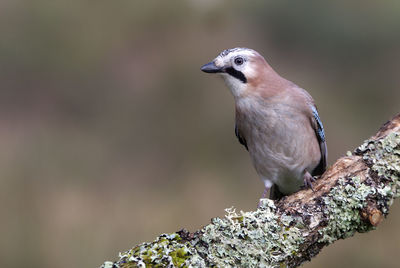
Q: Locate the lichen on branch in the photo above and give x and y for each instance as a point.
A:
(353, 195)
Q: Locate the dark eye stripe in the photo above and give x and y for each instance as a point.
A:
(235, 73)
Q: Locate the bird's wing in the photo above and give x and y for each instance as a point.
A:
(319, 132)
(240, 137)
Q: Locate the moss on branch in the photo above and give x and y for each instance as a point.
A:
(354, 195)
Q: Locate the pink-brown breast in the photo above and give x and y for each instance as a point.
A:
(275, 122)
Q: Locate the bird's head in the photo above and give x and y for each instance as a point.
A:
(241, 68)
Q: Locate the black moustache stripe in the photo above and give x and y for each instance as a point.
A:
(237, 74)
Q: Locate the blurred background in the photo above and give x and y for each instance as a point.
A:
(111, 135)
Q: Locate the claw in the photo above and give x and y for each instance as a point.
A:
(308, 180)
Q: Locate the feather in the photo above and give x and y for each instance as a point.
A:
(319, 132)
(240, 138)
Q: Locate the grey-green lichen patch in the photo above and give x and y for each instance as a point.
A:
(251, 239)
(383, 157)
(350, 195)
(107, 264)
(343, 204)
(168, 250)
(247, 239)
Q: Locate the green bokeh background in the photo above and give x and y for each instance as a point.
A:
(111, 135)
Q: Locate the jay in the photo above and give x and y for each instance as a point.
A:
(275, 120)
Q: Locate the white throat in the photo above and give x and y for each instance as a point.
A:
(236, 86)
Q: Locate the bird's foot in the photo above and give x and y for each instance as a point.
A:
(308, 180)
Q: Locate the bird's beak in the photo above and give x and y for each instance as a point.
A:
(211, 68)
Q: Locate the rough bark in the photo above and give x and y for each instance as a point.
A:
(353, 195)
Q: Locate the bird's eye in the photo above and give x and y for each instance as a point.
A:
(239, 61)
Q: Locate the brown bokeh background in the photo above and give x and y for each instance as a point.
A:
(111, 135)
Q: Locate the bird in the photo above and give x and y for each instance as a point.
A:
(275, 120)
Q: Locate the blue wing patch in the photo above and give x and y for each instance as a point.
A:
(320, 129)
(319, 132)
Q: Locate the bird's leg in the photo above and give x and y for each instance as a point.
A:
(263, 196)
(265, 192)
(308, 180)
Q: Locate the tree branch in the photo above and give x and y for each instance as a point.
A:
(353, 195)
